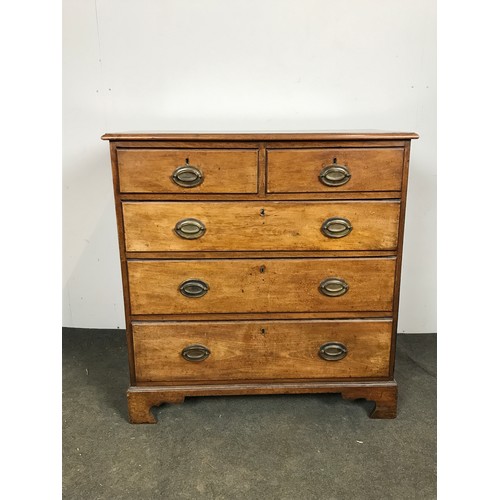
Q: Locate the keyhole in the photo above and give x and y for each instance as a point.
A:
(187, 161)
(263, 331)
(335, 160)
(262, 212)
(262, 269)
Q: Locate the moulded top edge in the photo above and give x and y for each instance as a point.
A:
(261, 136)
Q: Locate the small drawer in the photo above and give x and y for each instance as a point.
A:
(333, 170)
(258, 226)
(187, 170)
(259, 350)
(261, 285)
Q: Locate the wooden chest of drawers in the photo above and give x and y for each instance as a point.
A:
(260, 263)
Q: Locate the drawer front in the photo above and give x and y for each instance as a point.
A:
(225, 226)
(331, 170)
(257, 350)
(187, 170)
(261, 285)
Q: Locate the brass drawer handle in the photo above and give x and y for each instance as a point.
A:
(336, 227)
(333, 287)
(193, 288)
(190, 229)
(195, 352)
(335, 175)
(333, 351)
(187, 176)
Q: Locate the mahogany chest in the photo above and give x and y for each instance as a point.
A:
(262, 263)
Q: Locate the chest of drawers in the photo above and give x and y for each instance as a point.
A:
(260, 263)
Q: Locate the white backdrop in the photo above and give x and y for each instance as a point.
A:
(235, 65)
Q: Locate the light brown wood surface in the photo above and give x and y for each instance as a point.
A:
(224, 170)
(339, 135)
(226, 316)
(260, 350)
(263, 257)
(142, 398)
(337, 195)
(297, 170)
(260, 225)
(399, 259)
(260, 285)
(123, 261)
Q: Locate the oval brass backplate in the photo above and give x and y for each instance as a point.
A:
(187, 176)
(190, 229)
(195, 352)
(336, 227)
(333, 287)
(333, 351)
(335, 175)
(193, 288)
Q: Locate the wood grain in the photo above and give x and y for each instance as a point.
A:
(346, 195)
(260, 285)
(260, 225)
(123, 260)
(226, 316)
(232, 143)
(224, 170)
(261, 136)
(261, 350)
(399, 259)
(297, 170)
(260, 254)
(383, 393)
(263, 269)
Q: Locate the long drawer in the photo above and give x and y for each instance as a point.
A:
(190, 171)
(229, 350)
(226, 226)
(328, 170)
(260, 285)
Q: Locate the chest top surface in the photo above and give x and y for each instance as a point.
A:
(262, 136)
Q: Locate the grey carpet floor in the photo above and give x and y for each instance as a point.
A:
(300, 447)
